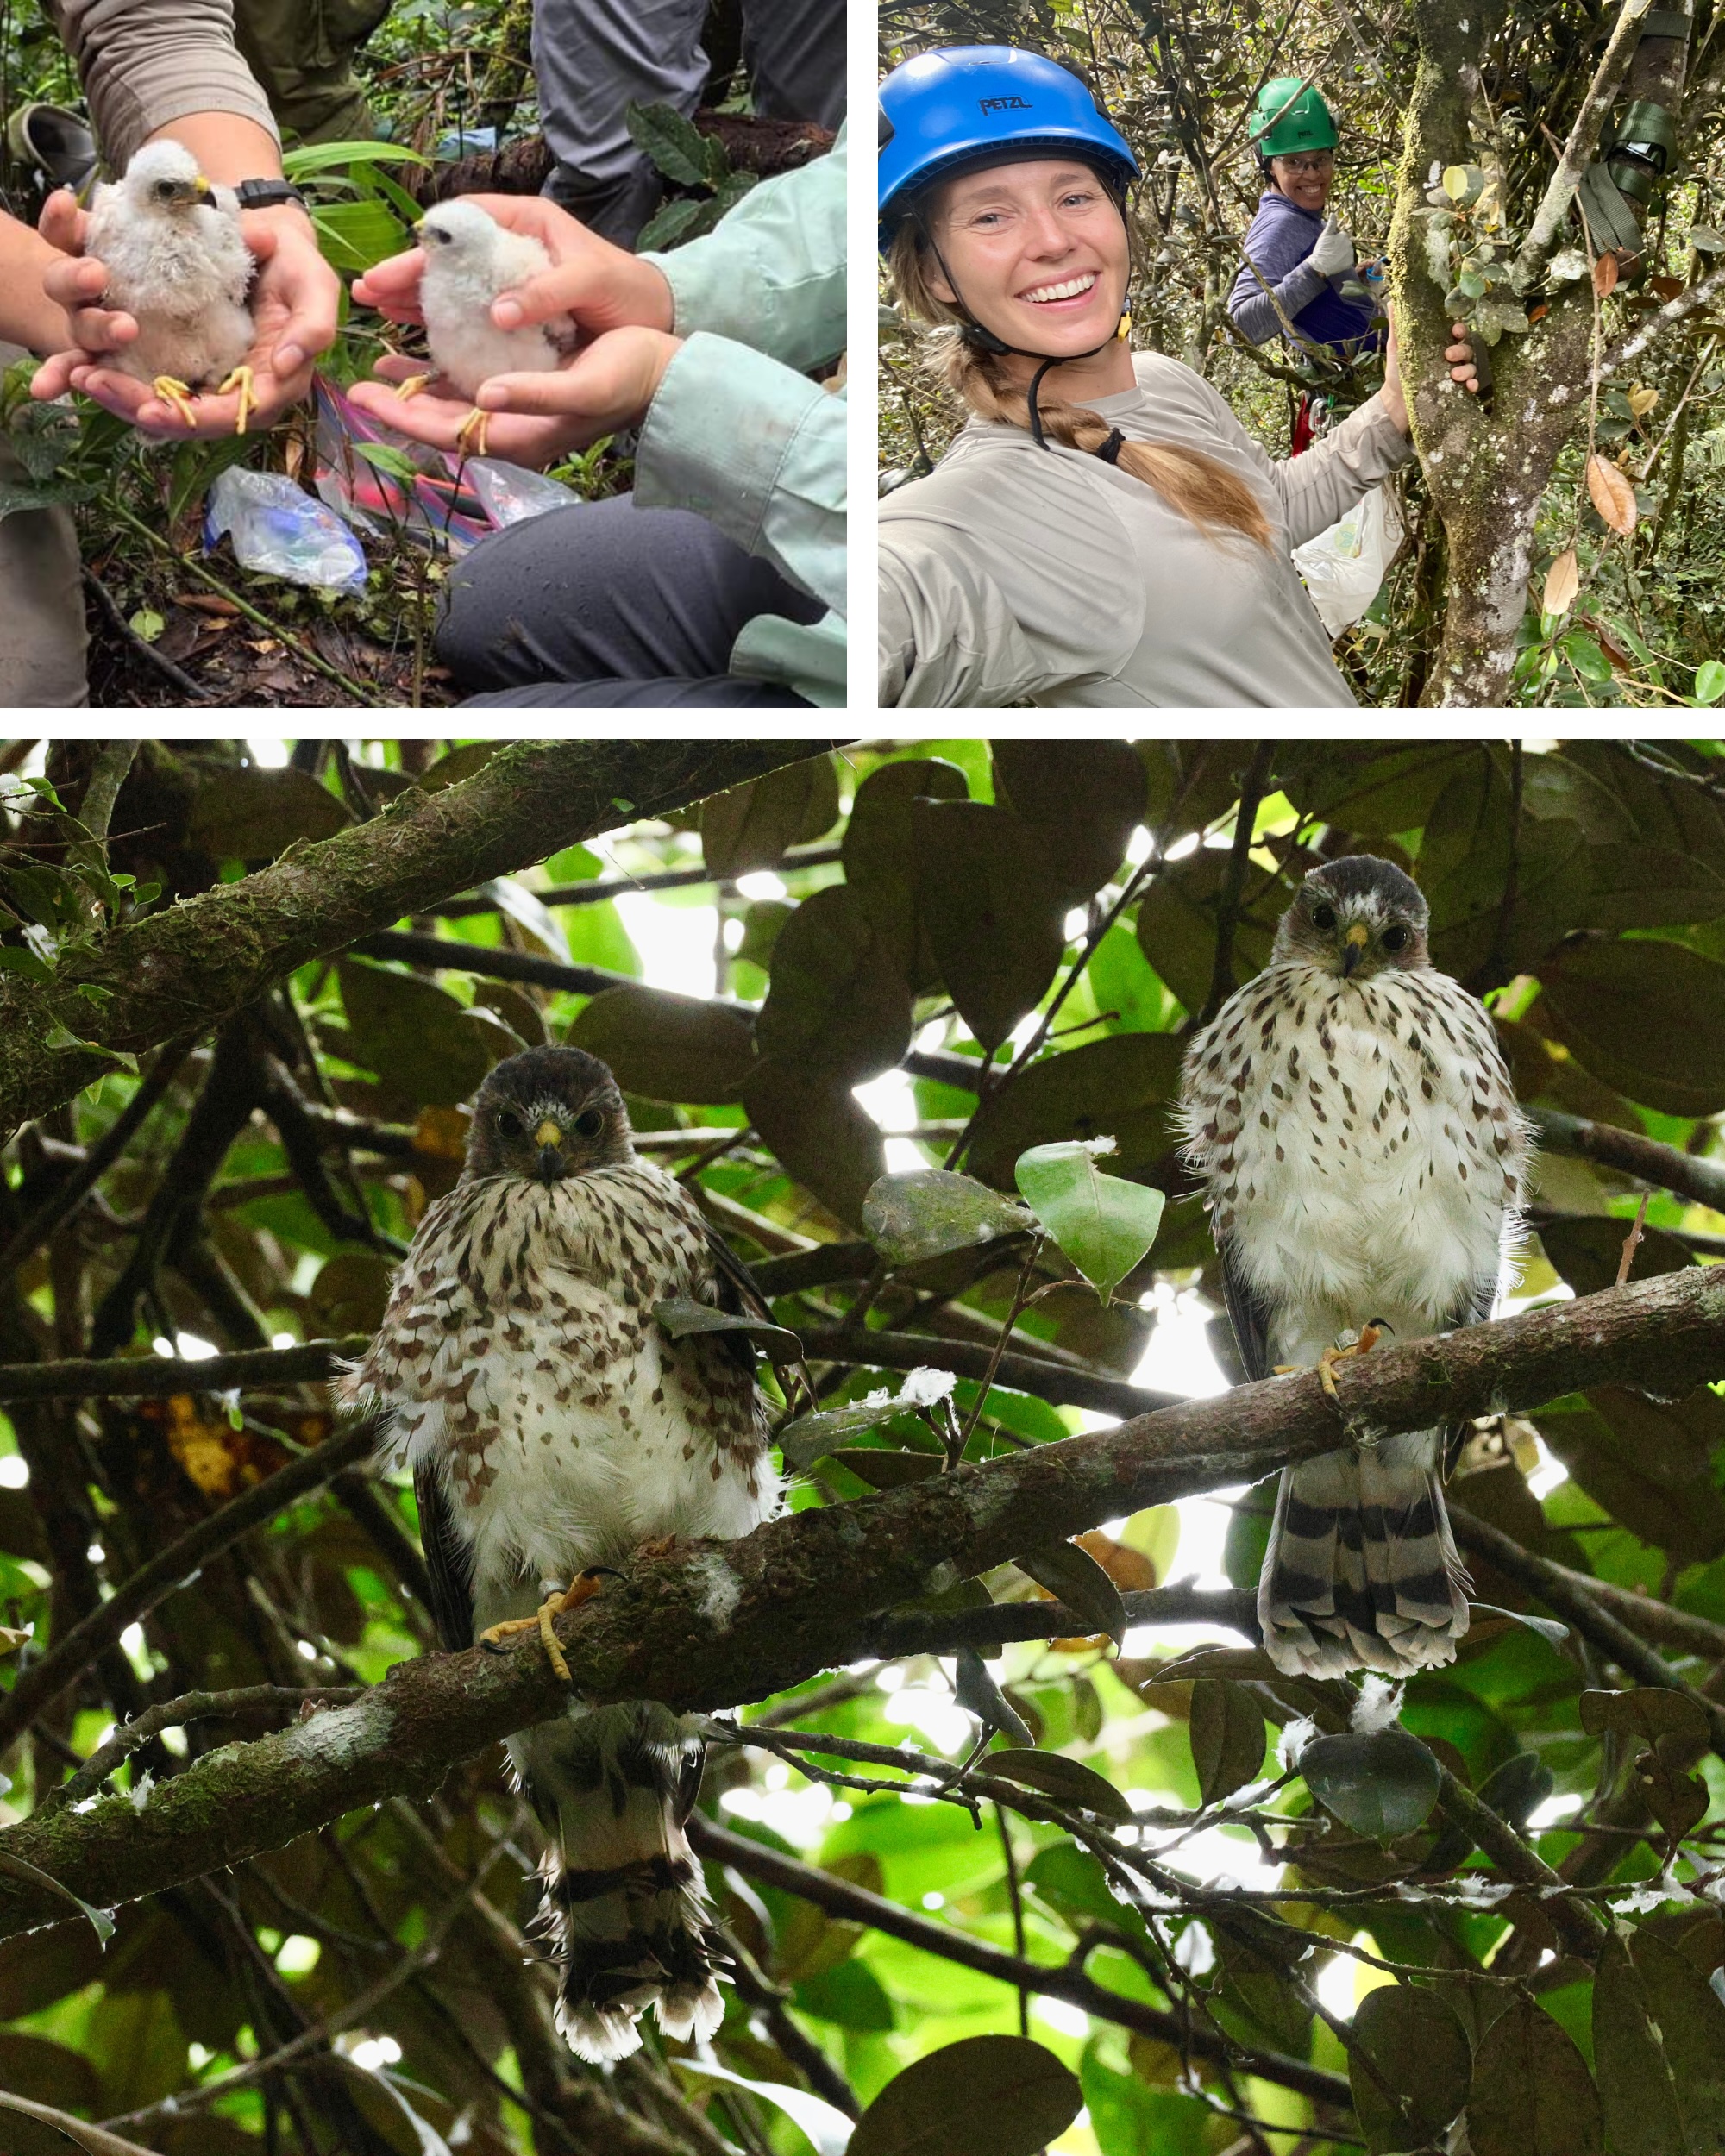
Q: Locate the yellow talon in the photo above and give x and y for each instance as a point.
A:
(412, 385)
(177, 395)
(472, 430)
(240, 379)
(581, 1589)
(1369, 1335)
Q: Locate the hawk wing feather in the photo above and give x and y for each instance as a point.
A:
(739, 1293)
(1250, 1313)
(448, 1559)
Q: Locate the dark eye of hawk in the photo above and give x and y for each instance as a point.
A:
(164, 190)
(1323, 916)
(589, 1125)
(1393, 939)
(508, 1122)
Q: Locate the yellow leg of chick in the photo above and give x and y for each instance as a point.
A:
(471, 441)
(240, 379)
(579, 1590)
(177, 394)
(1369, 1335)
(412, 385)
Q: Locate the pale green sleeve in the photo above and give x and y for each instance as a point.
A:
(757, 449)
(772, 274)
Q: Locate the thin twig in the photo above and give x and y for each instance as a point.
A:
(1632, 1241)
(175, 676)
(249, 1699)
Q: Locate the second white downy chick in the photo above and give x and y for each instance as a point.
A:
(178, 264)
(470, 259)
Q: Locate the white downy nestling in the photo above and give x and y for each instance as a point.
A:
(469, 260)
(178, 263)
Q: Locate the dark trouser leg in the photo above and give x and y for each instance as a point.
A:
(595, 604)
(794, 51)
(591, 59)
(41, 601)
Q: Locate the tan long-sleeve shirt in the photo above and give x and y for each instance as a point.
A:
(1015, 574)
(146, 63)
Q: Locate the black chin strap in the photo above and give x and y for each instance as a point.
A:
(985, 340)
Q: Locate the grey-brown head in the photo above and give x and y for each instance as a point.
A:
(547, 1113)
(1355, 917)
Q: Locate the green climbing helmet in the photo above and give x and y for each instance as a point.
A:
(1290, 115)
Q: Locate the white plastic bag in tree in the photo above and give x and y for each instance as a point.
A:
(1344, 567)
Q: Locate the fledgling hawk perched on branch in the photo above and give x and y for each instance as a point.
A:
(552, 1427)
(1363, 1158)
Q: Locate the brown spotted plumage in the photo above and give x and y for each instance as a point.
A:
(551, 1427)
(1363, 1159)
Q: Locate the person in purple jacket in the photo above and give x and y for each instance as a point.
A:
(1299, 272)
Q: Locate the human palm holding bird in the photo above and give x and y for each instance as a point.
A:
(552, 1428)
(1363, 1159)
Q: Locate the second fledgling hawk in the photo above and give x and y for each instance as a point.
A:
(552, 1427)
(1363, 1159)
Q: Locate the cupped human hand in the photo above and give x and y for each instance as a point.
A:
(436, 415)
(602, 287)
(294, 298)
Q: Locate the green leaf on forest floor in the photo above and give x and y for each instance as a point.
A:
(984, 2095)
(928, 1211)
(1384, 1785)
(1104, 1224)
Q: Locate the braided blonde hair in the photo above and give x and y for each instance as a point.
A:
(1193, 484)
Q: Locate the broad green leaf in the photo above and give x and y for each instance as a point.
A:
(1104, 1224)
(95, 2140)
(1532, 2093)
(1381, 1785)
(21, 1868)
(977, 1693)
(1548, 1627)
(883, 1470)
(1076, 1577)
(1082, 799)
(806, 1440)
(427, 1049)
(1227, 1737)
(987, 2095)
(1636, 2091)
(1648, 1712)
(1126, 1085)
(1710, 681)
(1073, 1883)
(18, 959)
(837, 1000)
(256, 813)
(826, 2127)
(1413, 2038)
(676, 144)
(681, 1317)
(1067, 1781)
(994, 913)
(1645, 1017)
(820, 1132)
(911, 1217)
(668, 1046)
(752, 825)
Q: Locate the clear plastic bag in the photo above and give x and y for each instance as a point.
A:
(511, 493)
(1345, 566)
(280, 530)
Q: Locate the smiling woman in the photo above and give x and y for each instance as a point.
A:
(1103, 532)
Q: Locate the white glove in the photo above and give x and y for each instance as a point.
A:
(1334, 251)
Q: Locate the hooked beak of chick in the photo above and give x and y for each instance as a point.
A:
(549, 1138)
(1354, 944)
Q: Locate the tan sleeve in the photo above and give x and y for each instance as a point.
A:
(947, 635)
(147, 62)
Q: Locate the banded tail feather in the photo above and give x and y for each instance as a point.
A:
(1362, 1570)
(625, 1906)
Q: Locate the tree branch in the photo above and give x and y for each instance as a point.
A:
(1068, 1981)
(1561, 1590)
(40, 1685)
(1701, 1181)
(178, 971)
(1584, 140)
(741, 1620)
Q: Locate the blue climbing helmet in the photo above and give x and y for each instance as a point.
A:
(968, 106)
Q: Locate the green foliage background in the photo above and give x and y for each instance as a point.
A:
(1059, 901)
(1179, 83)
